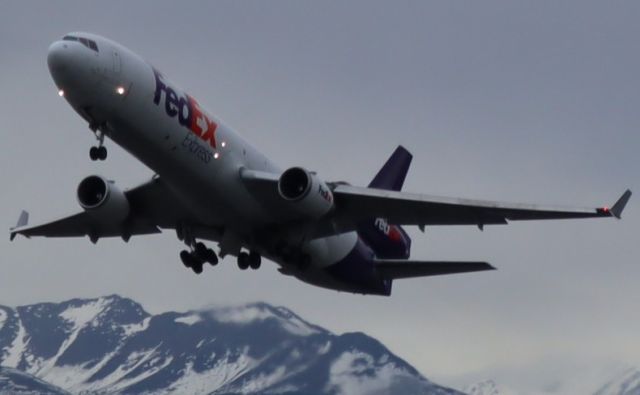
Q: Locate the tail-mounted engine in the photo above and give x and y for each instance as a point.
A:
(306, 192)
(103, 199)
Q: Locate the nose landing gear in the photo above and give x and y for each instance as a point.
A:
(251, 260)
(99, 152)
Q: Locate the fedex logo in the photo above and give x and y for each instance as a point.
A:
(390, 231)
(326, 195)
(187, 109)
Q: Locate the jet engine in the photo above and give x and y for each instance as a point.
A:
(306, 192)
(103, 199)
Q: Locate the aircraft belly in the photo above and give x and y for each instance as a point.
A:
(326, 251)
(344, 263)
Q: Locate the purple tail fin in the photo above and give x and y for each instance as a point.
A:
(387, 240)
(391, 176)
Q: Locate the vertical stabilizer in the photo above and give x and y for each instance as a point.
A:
(387, 240)
(391, 176)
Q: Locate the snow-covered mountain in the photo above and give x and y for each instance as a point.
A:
(627, 383)
(15, 382)
(111, 344)
(488, 387)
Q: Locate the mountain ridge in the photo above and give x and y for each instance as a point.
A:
(111, 344)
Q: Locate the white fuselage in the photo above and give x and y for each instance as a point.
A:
(158, 123)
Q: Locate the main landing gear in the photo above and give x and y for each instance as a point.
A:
(197, 257)
(198, 254)
(99, 152)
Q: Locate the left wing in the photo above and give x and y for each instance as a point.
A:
(354, 204)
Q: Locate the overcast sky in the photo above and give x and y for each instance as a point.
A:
(513, 101)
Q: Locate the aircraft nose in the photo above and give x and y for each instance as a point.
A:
(59, 57)
(71, 65)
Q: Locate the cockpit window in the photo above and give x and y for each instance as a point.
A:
(84, 41)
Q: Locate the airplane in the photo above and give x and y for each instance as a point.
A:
(212, 185)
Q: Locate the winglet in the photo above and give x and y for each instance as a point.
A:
(23, 220)
(618, 207)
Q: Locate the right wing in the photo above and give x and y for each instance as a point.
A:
(152, 206)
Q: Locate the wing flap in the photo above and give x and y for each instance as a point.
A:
(396, 269)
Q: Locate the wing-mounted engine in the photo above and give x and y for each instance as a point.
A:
(103, 200)
(306, 192)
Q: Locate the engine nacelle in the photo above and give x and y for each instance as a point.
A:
(306, 192)
(103, 199)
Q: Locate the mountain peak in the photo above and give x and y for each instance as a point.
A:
(264, 313)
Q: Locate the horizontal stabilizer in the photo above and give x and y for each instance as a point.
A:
(397, 268)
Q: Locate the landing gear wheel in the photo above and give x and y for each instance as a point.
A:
(98, 153)
(200, 249)
(212, 258)
(93, 153)
(205, 254)
(254, 260)
(197, 267)
(243, 261)
(186, 258)
(102, 152)
(191, 261)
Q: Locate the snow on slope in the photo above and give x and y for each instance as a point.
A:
(224, 371)
(249, 314)
(358, 373)
(489, 387)
(3, 317)
(15, 382)
(189, 320)
(81, 315)
(619, 379)
(626, 383)
(13, 354)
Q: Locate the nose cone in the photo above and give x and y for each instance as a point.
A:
(60, 58)
(70, 65)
